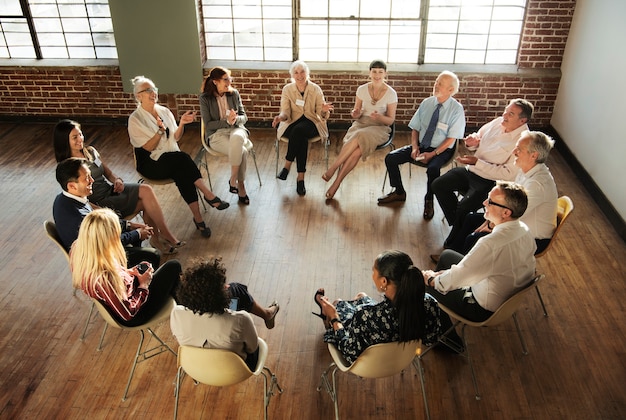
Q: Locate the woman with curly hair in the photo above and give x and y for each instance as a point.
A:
(98, 264)
(213, 314)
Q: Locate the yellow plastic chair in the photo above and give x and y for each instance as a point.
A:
(215, 153)
(53, 234)
(377, 361)
(142, 353)
(503, 313)
(219, 367)
(565, 206)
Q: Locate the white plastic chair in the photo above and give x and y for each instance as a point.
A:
(219, 367)
(503, 313)
(377, 361)
(53, 234)
(142, 354)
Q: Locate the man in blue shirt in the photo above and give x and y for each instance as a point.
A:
(437, 123)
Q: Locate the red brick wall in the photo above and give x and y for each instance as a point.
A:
(96, 92)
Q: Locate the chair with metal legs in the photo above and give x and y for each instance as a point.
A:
(51, 230)
(377, 361)
(142, 354)
(207, 148)
(504, 312)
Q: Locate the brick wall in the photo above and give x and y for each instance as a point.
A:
(49, 93)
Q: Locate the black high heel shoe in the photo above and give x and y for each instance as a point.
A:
(283, 174)
(232, 189)
(221, 205)
(245, 200)
(321, 314)
(204, 229)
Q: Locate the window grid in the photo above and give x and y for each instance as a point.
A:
(70, 29)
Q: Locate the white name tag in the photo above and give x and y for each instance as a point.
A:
(442, 126)
(300, 102)
(97, 162)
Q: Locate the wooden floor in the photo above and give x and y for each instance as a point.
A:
(284, 247)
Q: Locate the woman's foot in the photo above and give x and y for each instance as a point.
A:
(163, 245)
(300, 189)
(204, 229)
(245, 200)
(326, 177)
(330, 194)
(217, 203)
(283, 174)
(270, 322)
(233, 190)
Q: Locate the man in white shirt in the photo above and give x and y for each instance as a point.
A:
(530, 154)
(499, 265)
(494, 143)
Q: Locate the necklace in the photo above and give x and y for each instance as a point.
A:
(376, 96)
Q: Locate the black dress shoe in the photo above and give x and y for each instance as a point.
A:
(300, 188)
(283, 174)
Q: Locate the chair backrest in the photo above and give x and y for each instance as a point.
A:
(565, 206)
(379, 360)
(53, 234)
(504, 312)
(205, 144)
(218, 367)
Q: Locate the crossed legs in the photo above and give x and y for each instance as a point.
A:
(346, 161)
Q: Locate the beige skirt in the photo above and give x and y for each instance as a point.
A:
(368, 134)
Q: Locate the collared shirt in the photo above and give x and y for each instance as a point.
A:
(494, 153)
(83, 200)
(540, 215)
(232, 330)
(451, 120)
(499, 265)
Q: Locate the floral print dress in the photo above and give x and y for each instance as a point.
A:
(366, 322)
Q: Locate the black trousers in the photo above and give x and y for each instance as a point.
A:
(299, 133)
(396, 158)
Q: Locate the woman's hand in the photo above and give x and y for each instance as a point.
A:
(356, 113)
(231, 116)
(328, 309)
(144, 279)
(188, 117)
(118, 185)
(327, 107)
(277, 120)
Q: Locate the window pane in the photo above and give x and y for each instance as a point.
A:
(10, 7)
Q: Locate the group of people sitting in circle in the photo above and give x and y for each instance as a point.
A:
(488, 256)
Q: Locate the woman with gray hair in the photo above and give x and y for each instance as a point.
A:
(303, 115)
(154, 134)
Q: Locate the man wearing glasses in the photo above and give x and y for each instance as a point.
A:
(493, 159)
(500, 264)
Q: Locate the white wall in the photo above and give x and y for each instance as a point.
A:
(590, 110)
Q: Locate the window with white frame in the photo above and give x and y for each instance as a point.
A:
(72, 29)
(398, 31)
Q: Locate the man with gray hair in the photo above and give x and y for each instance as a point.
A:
(502, 263)
(436, 125)
(530, 154)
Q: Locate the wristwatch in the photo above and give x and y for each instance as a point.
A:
(161, 131)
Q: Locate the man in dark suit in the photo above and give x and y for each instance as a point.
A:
(72, 205)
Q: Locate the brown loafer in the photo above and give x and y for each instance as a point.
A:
(429, 210)
(392, 197)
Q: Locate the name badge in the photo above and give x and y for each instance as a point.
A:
(442, 126)
(300, 102)
(97, 162)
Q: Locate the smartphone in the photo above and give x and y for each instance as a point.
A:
(143, 267)
(233, 304)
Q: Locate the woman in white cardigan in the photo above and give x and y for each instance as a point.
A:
(155, 134)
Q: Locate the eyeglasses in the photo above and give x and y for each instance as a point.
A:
(227, 79)
(493, 203)
(150, 90)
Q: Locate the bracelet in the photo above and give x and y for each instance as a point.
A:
(430, 281)
(437, 152)
(332, 321)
